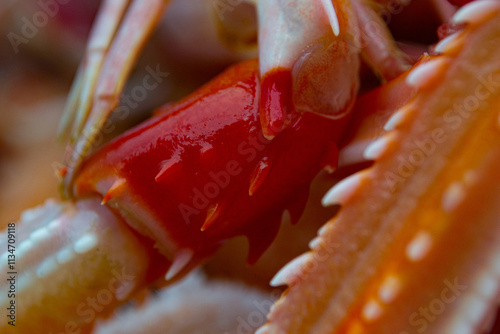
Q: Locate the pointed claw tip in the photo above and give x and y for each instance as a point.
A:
(259, 175)
(169, 168)
(276, 105)
(268, 135)
(206, 225)
(213, 214)
(113, 191)
(271, 125)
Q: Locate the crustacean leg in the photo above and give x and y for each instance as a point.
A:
(77, 252)
(111, 54)
(415, 246)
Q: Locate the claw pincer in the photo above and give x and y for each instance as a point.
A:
(202, 171)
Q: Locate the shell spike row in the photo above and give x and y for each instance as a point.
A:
(436, 231)
(181, 260)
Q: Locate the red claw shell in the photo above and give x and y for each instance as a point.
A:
(202, 171)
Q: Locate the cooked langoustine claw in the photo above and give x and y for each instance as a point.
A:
(202, 172)
(415, 246)
(310, 49)
(198, 173)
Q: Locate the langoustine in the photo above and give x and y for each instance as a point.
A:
(424, 256)
(296, 327)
